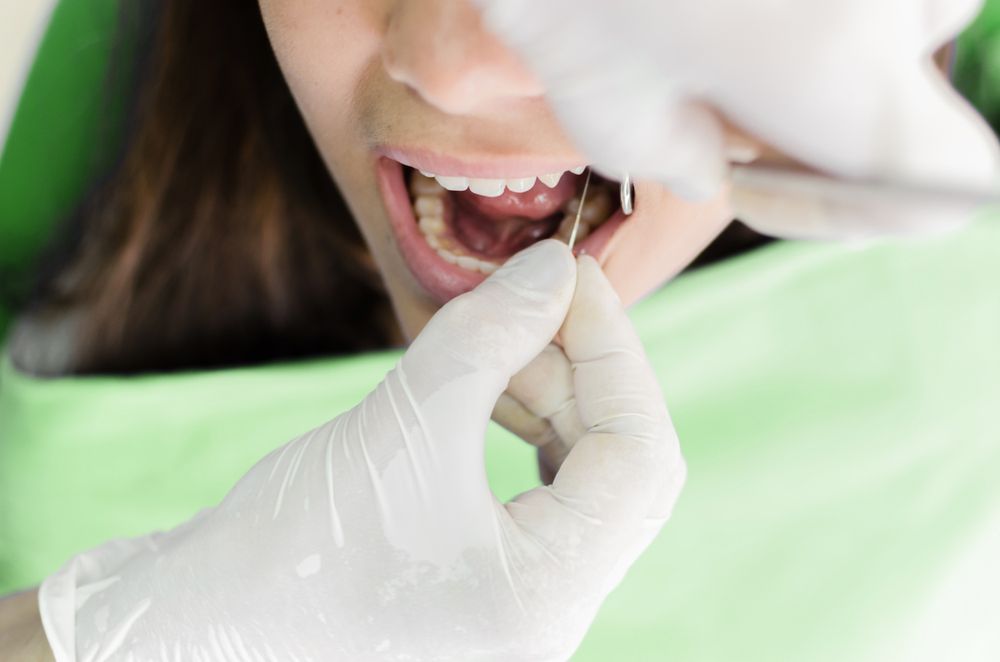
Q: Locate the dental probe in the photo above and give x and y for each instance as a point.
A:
(776, 180)
(579, 211)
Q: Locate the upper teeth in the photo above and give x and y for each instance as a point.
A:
(493, 188)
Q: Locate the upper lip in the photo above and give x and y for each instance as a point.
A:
(485, 166)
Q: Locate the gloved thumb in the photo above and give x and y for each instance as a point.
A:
(463, 359)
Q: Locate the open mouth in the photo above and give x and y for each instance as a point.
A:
(453, 231)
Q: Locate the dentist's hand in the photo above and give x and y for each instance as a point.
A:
(376, 537)
(846, 87)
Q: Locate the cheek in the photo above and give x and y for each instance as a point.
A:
(324, 47)
(662, 238)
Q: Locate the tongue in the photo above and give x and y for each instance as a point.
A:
(538, 203)
(499, 238)
(499, 227)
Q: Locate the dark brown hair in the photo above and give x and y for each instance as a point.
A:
(218, 237)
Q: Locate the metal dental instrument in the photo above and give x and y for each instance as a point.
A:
(782, 180)
(626, 194)
(795, 182)
(792, 181)
(579, 211)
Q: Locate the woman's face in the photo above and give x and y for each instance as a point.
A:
(389, 88)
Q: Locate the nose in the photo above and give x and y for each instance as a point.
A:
(440, 49)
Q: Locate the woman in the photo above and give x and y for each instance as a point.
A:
(132, 292)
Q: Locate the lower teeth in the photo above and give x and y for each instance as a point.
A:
(428, 208)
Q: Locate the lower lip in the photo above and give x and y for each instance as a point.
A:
(444, 281)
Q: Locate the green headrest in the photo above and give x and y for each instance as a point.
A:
(51, 152)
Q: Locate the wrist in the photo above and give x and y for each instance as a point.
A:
(21, 633)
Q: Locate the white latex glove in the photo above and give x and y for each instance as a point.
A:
(376, 537)
(847, 87)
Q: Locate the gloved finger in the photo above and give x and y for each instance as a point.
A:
(543, 393)
(545, 388)
(516, 418)
(461, 362)
(628, 465)
(620, 481)
(533, 429)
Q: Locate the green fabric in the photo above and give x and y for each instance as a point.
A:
(62, 130)
(977, 63)
(837, 407)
